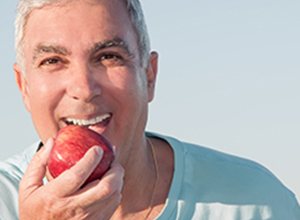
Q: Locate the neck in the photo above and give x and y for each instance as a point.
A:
(140, 179)
(146, 187)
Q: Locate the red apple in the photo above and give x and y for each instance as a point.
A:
(71, 143)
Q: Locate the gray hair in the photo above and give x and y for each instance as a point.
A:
(134, 9)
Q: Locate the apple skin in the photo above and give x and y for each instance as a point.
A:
(70, 145)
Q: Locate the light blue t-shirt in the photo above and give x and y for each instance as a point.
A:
(206, 185)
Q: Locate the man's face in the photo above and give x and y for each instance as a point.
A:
(82, 66)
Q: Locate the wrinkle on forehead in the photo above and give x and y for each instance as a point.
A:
(61, 49)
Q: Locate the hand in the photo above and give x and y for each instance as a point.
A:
(63, 198)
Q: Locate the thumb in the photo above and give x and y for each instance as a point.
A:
(33, 177)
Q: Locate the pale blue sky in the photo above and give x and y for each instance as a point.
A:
(229, 79)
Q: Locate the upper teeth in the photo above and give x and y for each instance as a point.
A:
(92, 121)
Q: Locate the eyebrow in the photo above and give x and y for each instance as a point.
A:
(44, 49)
(115, 42)
(56, 49)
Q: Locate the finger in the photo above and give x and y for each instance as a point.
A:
(116, 152)
(73, 178)
(33, 177)
(37, 167)
(99, 190)
(107, 207)
(116, 170)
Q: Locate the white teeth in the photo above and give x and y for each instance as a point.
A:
(92, 121)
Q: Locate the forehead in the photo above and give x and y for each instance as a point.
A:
(78, 22)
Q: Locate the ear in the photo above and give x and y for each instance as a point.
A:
(152, 74)
(22, 85)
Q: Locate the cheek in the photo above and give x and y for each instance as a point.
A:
(128, 82)
(42, 94)
(44, 97)
(130, 92)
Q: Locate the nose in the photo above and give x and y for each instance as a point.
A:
(83, 84)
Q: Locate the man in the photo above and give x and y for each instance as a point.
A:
(89, 62)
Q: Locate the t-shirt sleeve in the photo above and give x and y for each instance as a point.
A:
(8, 196)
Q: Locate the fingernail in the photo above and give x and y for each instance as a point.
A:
(49, 144)
(114, 148)
(99, 151)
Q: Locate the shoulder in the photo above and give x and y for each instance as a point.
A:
(11, 172)
(17, 164)
(223, 166)
(209, 176)
(213, 162)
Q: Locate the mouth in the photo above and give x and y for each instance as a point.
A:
(97, 123)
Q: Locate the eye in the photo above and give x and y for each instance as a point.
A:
(50, 61)
(110, 59)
